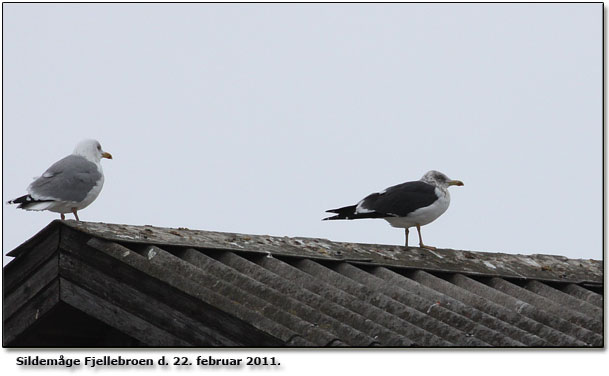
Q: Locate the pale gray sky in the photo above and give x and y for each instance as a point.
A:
(257, 118)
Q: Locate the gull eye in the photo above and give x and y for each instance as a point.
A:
(99, 147)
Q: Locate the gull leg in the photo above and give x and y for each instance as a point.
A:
(75, 215)
(406, 236)
(421, 240)
(62, 216)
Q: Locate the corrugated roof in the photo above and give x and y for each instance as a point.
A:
(180, 287)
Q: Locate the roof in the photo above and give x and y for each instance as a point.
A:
(96, 284)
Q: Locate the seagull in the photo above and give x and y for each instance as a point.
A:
(410, 204)
(70, 184)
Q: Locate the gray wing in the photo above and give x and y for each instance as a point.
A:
(401, 199)
(69, 179)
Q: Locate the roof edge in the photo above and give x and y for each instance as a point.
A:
(35, 239)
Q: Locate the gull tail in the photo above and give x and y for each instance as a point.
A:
(27, 202)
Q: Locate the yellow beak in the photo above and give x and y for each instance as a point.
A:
(106, 155)
(455, 182)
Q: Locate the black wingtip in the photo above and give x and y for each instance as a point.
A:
(20, 200)
(346, 212)
(338, 216)
(25, 201)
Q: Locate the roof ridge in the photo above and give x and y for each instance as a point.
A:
(541, 267)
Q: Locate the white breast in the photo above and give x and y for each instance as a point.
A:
(93, 193)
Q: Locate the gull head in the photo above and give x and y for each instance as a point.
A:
(92, 150)
(439, 179)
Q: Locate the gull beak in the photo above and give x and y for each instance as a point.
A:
(455, 182)
(106, 155)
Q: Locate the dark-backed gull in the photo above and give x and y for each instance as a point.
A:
(411, 204)
(70, 184)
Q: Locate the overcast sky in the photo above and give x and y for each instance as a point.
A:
(257, 118)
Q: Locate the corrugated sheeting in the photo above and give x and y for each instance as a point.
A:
(341, 304)
(303, 301)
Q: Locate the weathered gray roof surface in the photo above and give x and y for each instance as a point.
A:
(150, 286)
